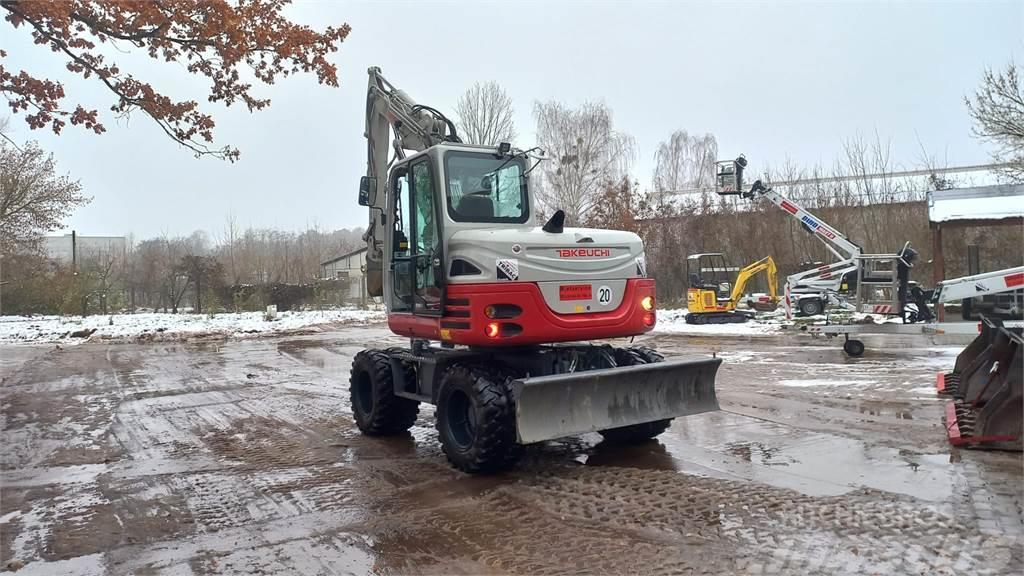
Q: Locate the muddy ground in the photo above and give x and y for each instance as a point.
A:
(240, 457)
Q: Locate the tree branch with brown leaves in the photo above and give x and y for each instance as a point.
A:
(217, 39)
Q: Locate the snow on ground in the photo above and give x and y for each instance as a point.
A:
(158, 326)
(673, 322)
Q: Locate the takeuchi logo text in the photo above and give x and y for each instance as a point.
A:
(583, 252)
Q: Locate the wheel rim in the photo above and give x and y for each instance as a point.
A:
(364, 394)
(461, 420)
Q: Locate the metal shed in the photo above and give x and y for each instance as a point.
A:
(958, 208)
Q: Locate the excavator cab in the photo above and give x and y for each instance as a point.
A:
(711, 281)
(710, 273)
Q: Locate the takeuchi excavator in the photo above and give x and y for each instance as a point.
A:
(499, 307)
(711, 299)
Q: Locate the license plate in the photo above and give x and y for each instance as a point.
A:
(574, 292)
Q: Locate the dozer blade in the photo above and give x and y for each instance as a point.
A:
(549, 407)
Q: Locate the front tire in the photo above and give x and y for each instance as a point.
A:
(376, 408)
(811, 306)
(636, 433)
(476, 420)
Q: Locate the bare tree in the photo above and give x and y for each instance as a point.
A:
(685, 161)
(998, 113)
(34, 199)
(485, 115)
(586, 153)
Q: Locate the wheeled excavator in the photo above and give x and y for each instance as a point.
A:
(500, 308)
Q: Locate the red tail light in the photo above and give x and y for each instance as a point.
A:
(649, 319)
(492, 329)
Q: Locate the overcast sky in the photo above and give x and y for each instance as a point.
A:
(776, 83)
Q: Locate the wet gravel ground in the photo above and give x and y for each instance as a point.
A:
(240, 457)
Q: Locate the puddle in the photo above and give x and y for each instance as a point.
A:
(814, 463)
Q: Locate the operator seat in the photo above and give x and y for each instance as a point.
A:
(476, 206)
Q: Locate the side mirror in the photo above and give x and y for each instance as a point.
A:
(367, 190)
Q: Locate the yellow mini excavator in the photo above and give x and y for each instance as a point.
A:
(711, 299)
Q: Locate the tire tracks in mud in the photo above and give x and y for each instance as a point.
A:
(222, 473)
(618, 520)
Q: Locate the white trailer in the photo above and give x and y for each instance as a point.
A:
(946, 291)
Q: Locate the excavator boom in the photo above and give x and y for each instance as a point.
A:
(747, 273)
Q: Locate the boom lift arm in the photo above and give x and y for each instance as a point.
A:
(730, 181)
(416, 127)
(979, 285)
(835, 241)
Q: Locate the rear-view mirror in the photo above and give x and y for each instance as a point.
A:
(367, 190)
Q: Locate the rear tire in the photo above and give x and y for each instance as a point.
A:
(476, 420)
(377, 411)
(811, 306)
(636, 433)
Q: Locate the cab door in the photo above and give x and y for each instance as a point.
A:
(400, 296)
(427, 269)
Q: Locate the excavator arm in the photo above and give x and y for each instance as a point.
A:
(416, 127)
(747, 273)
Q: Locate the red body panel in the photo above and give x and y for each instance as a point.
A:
(464, 321)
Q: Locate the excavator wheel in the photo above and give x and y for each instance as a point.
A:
(476, 420)
(639, 432)
(377, 410)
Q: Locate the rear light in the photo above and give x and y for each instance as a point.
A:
(492, 329)
(502, 329)
(647, 303)
(649, 319)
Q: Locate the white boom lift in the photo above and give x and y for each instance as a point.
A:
(878, 283)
